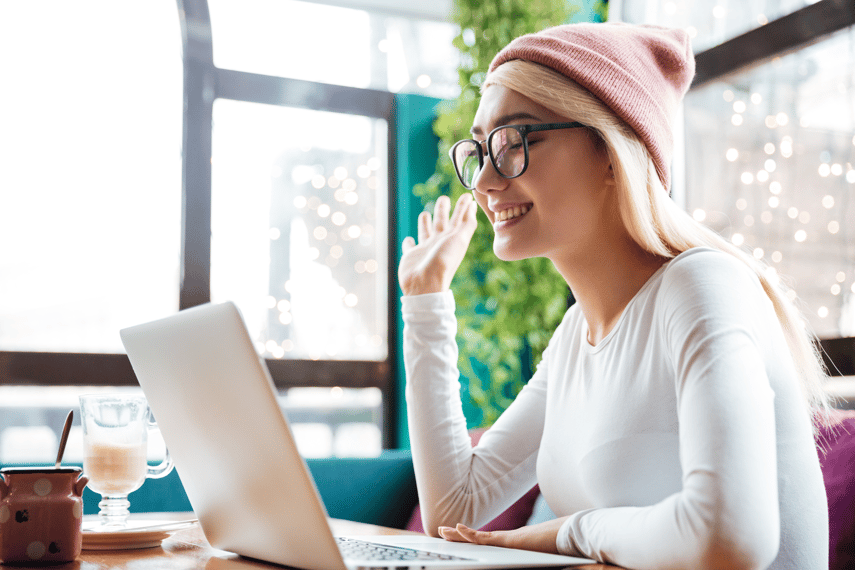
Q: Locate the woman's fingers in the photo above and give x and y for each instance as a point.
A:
(408, 244)
(424, 226)
(462, 209)
(440, 213)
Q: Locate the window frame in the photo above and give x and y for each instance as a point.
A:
(203, 83)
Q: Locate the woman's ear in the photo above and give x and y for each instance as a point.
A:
(610, 177)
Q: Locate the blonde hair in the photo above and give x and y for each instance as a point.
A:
(651, 217)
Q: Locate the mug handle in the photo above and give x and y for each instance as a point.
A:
(166, 466)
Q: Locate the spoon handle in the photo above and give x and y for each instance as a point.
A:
(64, 439)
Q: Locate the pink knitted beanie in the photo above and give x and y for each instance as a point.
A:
(640, 72)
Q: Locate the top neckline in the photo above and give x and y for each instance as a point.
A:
(593, 349)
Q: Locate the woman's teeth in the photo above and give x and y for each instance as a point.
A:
(512, 213)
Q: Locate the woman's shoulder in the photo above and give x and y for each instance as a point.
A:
(707, 265)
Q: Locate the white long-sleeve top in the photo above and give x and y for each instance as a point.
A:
(680, 440)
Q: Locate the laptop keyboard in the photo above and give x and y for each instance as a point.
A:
(364, 550)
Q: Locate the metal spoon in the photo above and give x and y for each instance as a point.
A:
(64, 439)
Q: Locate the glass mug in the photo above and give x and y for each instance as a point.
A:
(115, 446)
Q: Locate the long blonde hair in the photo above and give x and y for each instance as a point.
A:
(651, 217)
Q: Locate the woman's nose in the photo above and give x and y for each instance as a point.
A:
(488, 179)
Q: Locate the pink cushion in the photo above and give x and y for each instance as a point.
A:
(515, 516)
(838, 471)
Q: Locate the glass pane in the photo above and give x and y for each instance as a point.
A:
(709, 22)
(336, 45)
(90, 171)
(341, 422)
(300, 225)
(769, 162)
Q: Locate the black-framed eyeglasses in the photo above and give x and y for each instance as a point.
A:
(508, 149)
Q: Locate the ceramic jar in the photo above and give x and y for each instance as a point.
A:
(41, 510)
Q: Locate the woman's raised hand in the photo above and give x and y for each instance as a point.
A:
(428, 267)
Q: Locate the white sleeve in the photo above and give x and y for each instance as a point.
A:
(727, 513)
(457, 483)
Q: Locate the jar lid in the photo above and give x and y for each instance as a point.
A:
(45, 470)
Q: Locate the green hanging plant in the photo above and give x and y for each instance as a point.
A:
(506, 311)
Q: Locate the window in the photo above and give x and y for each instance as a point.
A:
(769, 164)
(90, 191)
(149, 165)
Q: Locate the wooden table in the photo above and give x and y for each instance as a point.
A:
(188, 550)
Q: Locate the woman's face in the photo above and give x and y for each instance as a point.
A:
(566, 193)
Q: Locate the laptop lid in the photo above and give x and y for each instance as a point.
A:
(216, 406)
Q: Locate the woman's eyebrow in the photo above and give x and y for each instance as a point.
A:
(506, 119)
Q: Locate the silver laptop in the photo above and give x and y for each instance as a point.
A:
(216, 407)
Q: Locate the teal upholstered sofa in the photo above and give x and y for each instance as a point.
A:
(378, 490)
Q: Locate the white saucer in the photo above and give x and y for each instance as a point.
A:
(94, 539)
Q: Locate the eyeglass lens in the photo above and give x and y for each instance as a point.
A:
(506, 147)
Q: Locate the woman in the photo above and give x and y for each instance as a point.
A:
(669, 422)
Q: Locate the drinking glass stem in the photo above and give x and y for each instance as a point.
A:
(114, 510)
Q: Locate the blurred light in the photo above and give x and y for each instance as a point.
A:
(747, 178)
(350, 300)
(835, 289)
(769, 148)
(323, 210)
(270, 301)
(766, 217)
(850, 177)
(833, 227)
(284, 305)
(719, 11)
(771, 122)
(732, 154)
(841, 277)
(363, 171)
(285, 318)
(336, 251)
(777, 257)
(728, 96)
(373, 163)
(349, 185)
(775, 187)
(320, 232)
(749, 221)
(756, 98)
(836, 169)
(314, 253)
(774, 201)
(699, 215)
(351, 198)
(736, 120)
(770, 165)
(423, 81)
(804, 217)
(741, 204)
(739, 107)
(758, 253)
(762, 176)
(800, 236)
(824, 170)
(828, 201)
(333, 182)
(338, 218)
(692, 31)
(300, 202)
(822, 312)
(793, 213)
(737, 239)
(340, 173)
(371, 266)
(782, 119)
(274, 233)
